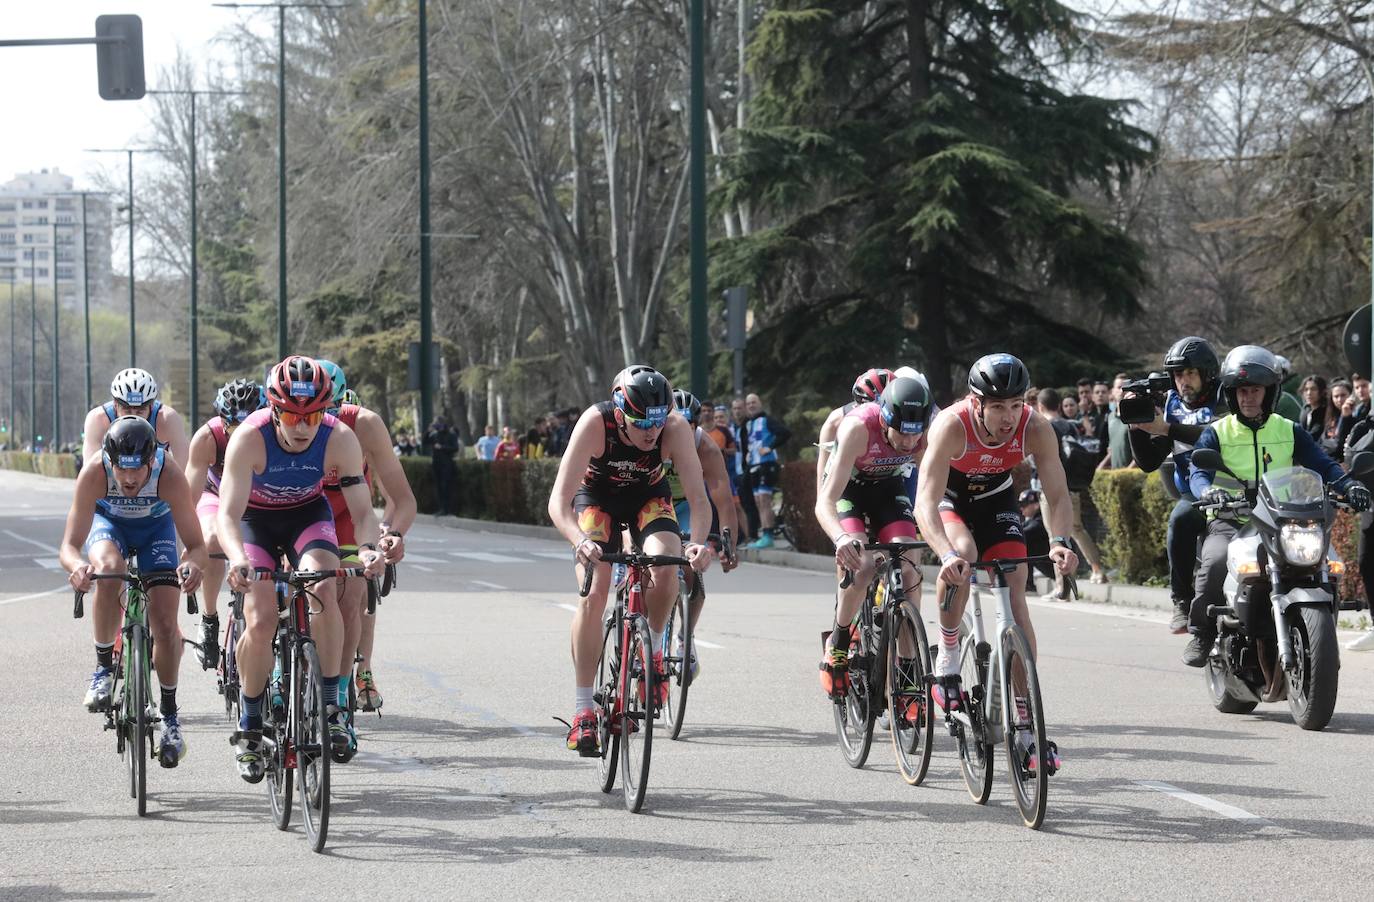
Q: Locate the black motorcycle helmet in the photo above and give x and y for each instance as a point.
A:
(905, 406)
(1251, 365)
(642, 393)
(130, 443)
(236, 399)
(687, 405)
(1193, 352)
(998, 376)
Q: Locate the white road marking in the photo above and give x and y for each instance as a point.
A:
(1231, 811)
(1140, 615)
(558, 555)
(704, 644)
(486, 585)
(48, 563)
(419, 566)
(14, 535)
(36, 595)
(490, 557)
(566, 607)
(422, 559)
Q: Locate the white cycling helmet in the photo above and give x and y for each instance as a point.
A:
(134, 387)
(906, 372)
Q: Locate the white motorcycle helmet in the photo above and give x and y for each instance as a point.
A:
(134, 387)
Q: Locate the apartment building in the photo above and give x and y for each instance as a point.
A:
(42, 237)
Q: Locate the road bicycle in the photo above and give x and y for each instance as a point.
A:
(131, 713)
(626, 691)
(679, 642)
(998, 698)
(298, 729)
(889, 660)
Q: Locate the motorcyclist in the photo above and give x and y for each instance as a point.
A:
(1193, 402)
(1252, 441)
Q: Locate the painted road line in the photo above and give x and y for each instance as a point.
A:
(48, 563)
(558, 555)
(36, 595)
(495, 587)
(1231, 811)
(704, 644)
(14, 535)
(422, 559)
(418, 566)
(490, 557)
(566, 607)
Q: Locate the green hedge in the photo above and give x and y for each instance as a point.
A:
(58, 465)
(1129, 501)
(509, 491)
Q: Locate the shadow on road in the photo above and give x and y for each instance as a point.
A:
(16, 812)
(50, 892)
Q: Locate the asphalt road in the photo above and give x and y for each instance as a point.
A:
(463, 788)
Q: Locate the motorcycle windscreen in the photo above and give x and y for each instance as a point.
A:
(1293, 488)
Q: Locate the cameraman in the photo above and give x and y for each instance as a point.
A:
(1192, 403)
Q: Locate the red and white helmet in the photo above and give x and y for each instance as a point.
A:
(871, 384)
(299, 385)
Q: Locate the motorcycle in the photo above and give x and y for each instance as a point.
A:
(1276, 635)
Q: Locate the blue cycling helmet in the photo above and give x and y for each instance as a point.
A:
(336, 376)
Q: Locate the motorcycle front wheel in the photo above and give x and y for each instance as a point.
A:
(1317, 666)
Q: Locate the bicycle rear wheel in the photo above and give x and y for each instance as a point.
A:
(607, 690)
(679, 666)
(229, 685)
(139, 744)
(975, 754)
(910, 710)
(1025, 735)
(311, 717)
(854, 715)
(637, 727)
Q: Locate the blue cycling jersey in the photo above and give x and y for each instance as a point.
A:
(145, 505)
(109, 409)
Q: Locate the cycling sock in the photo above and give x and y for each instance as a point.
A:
(949, 638)
(331, 690)
(251, 716)
(210, 619)
(656, 640)
(583, 698)
(169, 699)
(104, 655)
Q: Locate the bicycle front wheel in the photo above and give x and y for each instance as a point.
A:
(139, 743)
(1024, 721)
(280, 772)
(637, 726)
(677, 661)
(607, 691)
(311, 717)
(912, 716)
(854, 715)
(975, 751)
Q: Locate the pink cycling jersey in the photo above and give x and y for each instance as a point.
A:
(879, 459)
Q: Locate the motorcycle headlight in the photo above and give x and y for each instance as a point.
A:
(1301, 545)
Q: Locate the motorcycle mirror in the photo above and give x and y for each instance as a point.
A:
(1208, 459)
(1362, 464)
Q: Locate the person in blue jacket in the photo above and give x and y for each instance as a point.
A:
(766, 435)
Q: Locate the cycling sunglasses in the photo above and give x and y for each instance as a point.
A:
(657, 417)
(289, 419)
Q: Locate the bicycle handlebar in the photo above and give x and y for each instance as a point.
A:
(634, 559)
(303, 578)
(79, 597)
(895, 548)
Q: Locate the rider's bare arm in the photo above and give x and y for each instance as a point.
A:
(945, 445)
(1043, 442)
(199, 459)
(718, 484)
(850, 441)
(245, 455)
(171, 431)
(174, 490)
(588, 440)
(93, 432)
(344, 456)
(825, 444)
(679, 446)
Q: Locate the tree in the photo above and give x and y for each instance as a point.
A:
(925, 180)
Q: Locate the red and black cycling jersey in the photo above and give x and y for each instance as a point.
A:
(622, 466)
(984, 469)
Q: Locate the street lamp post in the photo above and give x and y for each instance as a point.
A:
(195, 268)
(130, 151)
(281, 9)
(33, 348)
(426, 307)
(56, 345)
(696, 165)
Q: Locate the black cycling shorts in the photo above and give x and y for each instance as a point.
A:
(602, 516)
(764, 478)
(994, 520)
(881, 508)
(271, 533)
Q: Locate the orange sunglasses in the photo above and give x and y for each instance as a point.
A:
(289, 419)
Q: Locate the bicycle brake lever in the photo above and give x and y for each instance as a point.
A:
(587, 581)
(848, 579)
(79, 607)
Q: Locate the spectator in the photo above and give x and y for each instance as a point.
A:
(740, 416)
(1338, 426)
(766, 435)
(1070, 441)
(1068, 409)
(508, 448)
(1316, 407)
(1032, 395)
(486, 445)
(1361, 387)
(1287, 406)
(1119, 456)
(1362, 439)
(443, 444)
(731, 453)
(1085, 394)
(559, 433)
(1036, 536)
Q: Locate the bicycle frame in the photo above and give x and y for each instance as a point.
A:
(987, 660)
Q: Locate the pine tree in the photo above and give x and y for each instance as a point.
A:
(929, 186)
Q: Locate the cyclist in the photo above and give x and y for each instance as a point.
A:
(965, 503)
(272, 505)
(234, 401)
(718, 495)
(863, 495)
(611, 478)
(867, 387)
(133, 392)
(399, 515)
(1252, 440)
(133, 499)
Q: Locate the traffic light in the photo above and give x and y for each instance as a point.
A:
(119, 63)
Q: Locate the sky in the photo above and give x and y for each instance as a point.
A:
(52, 108)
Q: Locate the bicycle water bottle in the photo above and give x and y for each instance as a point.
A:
(880, 594)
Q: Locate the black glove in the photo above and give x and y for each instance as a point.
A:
(1357, 496)
(1215, 495)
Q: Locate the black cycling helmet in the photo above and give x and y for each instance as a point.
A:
(1251, 365)
(1193, 352)
(998, 376)
(687, 405)
(130, 443)
(643, 393)
(905, 406)
(237, 398)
